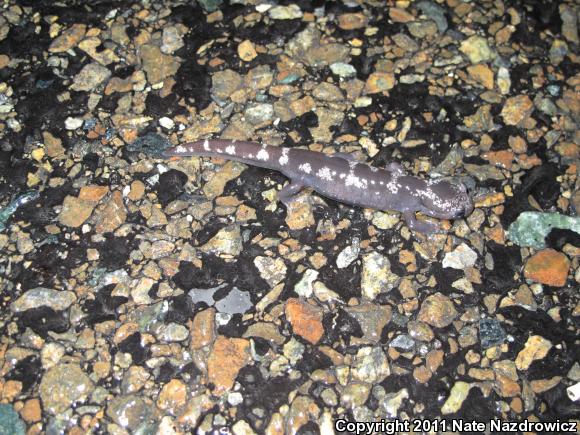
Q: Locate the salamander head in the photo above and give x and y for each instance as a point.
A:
(446, 199)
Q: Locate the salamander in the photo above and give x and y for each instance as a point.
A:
(340, 177)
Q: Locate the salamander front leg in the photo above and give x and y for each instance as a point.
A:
(286, 195)
(421, 226)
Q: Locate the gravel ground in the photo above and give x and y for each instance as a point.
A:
(144, 295)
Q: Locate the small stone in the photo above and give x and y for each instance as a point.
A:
(377, 276)
(172, 396)
(437, 310)
(306, 319)
(422, 29)
(304, 287)
(517, 109)
(540, 386)
(157, 65)
(247, 51)
(68, 39)
(31, 412)
(172, 39)
(228, 241)
(370, 365)
(400, 15)
(166, 122)
(327, 92)
(242, 427)
(113, 214)
(203, 330)
(272, 270)
(93, 46)
(548, 267)
(227, 357)
(91, 76)
(58, 300)
(130, 411)
(504, 82)
(290, 12)
(536, 347)
(569, 16)
(259, 113)
(352, 21)
(71, 123)
(531, 228)
(476, 49)
(62, 386)
(10, 422)
(216, 185)
(172, 332)
(462, 257)
(420, 331)
(379, 82)
(491, 333)
(482, 74)
(348, 254)
(457, 396)
(343, 70)
(300, 213)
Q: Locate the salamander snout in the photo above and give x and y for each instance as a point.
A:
(447, 199)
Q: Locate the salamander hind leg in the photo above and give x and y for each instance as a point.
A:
(421, 226)
(288, 192)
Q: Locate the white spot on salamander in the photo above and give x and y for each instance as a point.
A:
(342, 175)
(283, 160)
(206, 145)
(356, 181)
(325, 173)
(305, 167)
(262, 155)
(231, 150)
(180, 149)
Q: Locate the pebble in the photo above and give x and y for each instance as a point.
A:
(129, 411)
(536, 347)
(377, 276)
(379, 82)
(10, 422)
(460, 258)
(517, 109)
(166, 122)
(172, 396)
(290, 12)
(477, 49)
(370, 365)
(548, 267)
(457, 396)
(259, 113)
(348, 254)
(343, 70)
(306, 319)
(91, 76)
(247, 51)
(64, 385)
(157, 65)
(68, 39)
(437, 310)
(228, 241)
(304, 287)
(227, 357)
(272, 270)
(58, 300)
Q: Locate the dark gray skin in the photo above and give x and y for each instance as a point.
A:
(341, 178)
